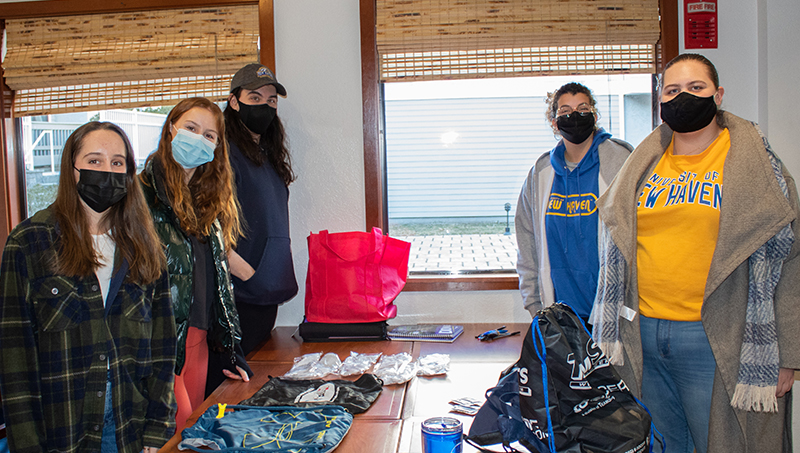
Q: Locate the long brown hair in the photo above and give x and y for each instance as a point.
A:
(210, 194)
(135, 237)
(270, 148)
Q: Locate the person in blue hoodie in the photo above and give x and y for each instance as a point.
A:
(556, 220)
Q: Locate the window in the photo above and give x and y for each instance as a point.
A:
(457, 153)
(436, 40)
(66, 69)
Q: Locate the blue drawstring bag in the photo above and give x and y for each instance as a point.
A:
(268, 429)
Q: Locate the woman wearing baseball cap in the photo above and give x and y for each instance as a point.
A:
(261, 263)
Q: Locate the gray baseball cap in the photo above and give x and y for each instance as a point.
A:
(255, 76)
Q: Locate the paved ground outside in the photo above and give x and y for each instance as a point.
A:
(471, 252)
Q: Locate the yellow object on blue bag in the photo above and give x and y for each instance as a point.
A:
(268, 429)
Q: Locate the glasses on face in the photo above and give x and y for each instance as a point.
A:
(583, 109)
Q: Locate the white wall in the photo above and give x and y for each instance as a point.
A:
(736, 57)
(758, 60)
(318, 59)
(782, 72)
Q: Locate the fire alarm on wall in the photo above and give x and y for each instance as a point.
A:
(700, 24)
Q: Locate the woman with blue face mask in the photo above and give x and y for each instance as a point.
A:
(187, 184)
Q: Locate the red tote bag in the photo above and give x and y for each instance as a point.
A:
(354, 276)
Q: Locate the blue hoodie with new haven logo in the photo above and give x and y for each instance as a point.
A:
(571, 227)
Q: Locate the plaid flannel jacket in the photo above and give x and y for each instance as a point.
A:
(58, 344)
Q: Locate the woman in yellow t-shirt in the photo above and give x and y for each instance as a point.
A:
(713, 279)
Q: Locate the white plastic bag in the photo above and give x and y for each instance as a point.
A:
(358, 363)
(396, 369)
(433, 365)
(314, 366)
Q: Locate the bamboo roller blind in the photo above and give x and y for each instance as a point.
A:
(94, 62)
(444, 39)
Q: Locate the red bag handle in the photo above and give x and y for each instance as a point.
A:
(378, 244)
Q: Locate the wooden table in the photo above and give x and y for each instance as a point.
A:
(392, 423)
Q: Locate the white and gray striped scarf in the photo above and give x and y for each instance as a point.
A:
(758, 360)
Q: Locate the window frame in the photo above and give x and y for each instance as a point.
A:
(12, 169)
(375, 195)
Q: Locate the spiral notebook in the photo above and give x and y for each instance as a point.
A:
(446, 333)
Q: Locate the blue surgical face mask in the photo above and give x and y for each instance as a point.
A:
(191, 150)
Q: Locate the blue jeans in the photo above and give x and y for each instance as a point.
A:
(677, 380)
(108, 443)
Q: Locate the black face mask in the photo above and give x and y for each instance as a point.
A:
(257, 118)
(101, 189)
(576, 127)
(688, 113)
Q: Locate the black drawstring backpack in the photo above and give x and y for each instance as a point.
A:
(569, 394)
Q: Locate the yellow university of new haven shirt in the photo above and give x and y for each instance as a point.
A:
(678, 224)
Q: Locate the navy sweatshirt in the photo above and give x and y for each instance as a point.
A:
(266, 245)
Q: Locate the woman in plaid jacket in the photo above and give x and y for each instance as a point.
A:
(87, 334)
